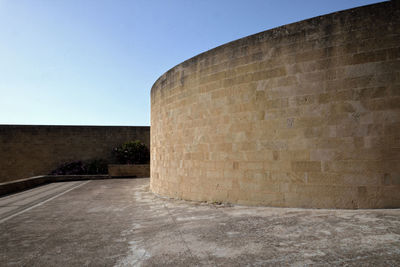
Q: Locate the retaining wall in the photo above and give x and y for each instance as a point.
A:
(304, 115)
(30, 150)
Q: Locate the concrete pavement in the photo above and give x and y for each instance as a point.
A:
(16, 204)
(120, 223)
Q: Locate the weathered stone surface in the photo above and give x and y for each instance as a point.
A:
(304, 115)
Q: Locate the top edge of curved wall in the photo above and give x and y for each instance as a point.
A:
(274, 33)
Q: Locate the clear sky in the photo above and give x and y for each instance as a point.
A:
(93, 62)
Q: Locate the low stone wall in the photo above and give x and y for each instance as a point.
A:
(304, 115)
(129, 170)
(31, 150)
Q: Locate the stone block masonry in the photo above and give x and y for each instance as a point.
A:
(31, 150)
(304, 115)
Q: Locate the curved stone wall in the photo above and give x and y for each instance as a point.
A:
(304, 115)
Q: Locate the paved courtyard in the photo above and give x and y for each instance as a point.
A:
(120, 223)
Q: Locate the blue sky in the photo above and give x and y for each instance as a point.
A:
(93, 62)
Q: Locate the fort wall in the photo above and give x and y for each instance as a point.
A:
(30, 150)
(304, 115)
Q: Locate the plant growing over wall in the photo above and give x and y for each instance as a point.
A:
(95, 166)
(133, 152)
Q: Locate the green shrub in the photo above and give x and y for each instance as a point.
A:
(133, 152)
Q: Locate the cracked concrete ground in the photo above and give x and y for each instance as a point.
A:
(120, 223)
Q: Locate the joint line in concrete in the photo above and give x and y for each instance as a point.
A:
(180, 234)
